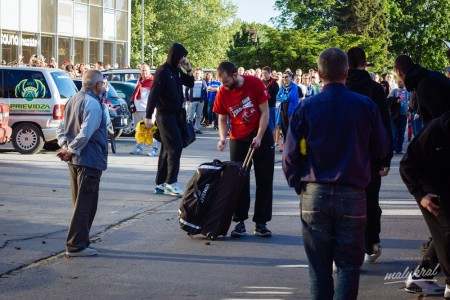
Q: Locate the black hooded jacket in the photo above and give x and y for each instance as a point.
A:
(359, 81)
(425, 168)
(432, 91)
(166, 93)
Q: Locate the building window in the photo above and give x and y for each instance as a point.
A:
(122, 28)
(29, 12)
(47, 47)
(97, 2)
(81, 20)
(9, 14)
(48, 15)
(29, 46)
(107, 53)
(109, 25)
(10, 47)
(94, 52)
(80, 56)
(108, 3)
(65, 18)
(122, 4)
(63, 50)
(96, 22)
(120, 54)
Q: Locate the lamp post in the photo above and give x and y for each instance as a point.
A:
(153, 49)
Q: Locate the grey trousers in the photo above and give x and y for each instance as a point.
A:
(84, 183)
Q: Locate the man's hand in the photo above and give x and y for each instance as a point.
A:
(256, 142)
(384, 171)
(185, 64)
(148, 123)
(222, 144)
(428, 204)
(65, 155)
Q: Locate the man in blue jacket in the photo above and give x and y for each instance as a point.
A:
(83, 139)
(326, 158)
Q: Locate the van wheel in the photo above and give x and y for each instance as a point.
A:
(27, 139)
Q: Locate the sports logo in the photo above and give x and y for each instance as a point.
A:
(30, 89)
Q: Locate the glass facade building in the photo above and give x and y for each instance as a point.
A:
(77, 31)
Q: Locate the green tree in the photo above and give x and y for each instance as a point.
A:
(204, 27)
(417, 27)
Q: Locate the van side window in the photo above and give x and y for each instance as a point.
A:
(26, 84)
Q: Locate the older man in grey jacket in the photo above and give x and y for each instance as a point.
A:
(83, 138)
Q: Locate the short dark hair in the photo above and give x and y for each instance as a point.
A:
(226, 67)
(332, 64)
(403, 63)
(356, 58)
(267, 68)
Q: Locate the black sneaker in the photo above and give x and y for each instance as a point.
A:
(239, 230)
(261, 230)
(424, 247)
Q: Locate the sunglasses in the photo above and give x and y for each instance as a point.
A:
(286, 77)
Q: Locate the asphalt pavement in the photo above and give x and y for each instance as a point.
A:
(143, 254)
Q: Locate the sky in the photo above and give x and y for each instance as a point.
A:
(259, 11)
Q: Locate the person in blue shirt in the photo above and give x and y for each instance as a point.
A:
(212, 89)
(289, 98)
(326, 158)
(399, 121)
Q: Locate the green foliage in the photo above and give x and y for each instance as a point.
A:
(202, 26)
(417, 27)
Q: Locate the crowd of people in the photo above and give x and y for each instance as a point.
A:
(341, 126)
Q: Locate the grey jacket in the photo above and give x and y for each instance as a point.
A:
(84, 130)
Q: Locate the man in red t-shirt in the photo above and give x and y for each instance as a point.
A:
(244, 99)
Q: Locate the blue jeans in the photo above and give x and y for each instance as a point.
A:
(416, 124)
(398, 132)
(333, 218)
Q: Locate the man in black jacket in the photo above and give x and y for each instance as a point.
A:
(425, 169)
(432, 88)
(359, 81)
(167, 97)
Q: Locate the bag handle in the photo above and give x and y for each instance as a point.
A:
(249, 156)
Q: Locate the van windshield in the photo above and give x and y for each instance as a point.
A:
(65, 85)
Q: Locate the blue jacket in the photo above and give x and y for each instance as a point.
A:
(342, 130)
(289, 94)
(84, 130)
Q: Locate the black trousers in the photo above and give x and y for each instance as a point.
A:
(171, 148)
(284, 119)
(439, 250)
(373, 226)
(263, 161)
(84, 183)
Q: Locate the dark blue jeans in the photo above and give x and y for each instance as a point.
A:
(398, 132)
(333, 218)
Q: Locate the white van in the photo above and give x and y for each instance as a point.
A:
(36, 99)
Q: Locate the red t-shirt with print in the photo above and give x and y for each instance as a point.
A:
(242, 105)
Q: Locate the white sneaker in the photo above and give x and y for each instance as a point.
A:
(370, 258)
(159, 189)
(447, 292)
(152, 152)
(85, 252)
(418, 285)
(173, 189)
(136, 151)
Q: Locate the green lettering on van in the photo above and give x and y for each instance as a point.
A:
(30, 106)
